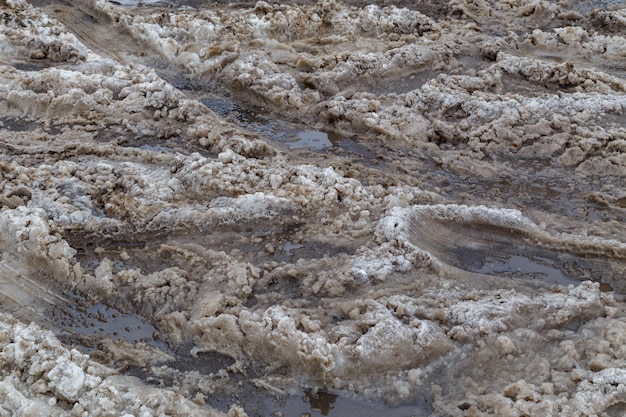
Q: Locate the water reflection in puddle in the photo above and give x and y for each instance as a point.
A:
(289, 247)
(219, 106)
(79, 324)
(102, 320)
(279, 131)
(313, 139)
(285, 133)
(315, 404)
(30, 299)
(291, 135)
(535, 268)
(509, 253)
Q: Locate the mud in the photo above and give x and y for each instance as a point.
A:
(312, 208)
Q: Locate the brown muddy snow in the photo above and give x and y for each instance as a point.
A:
(327, 208)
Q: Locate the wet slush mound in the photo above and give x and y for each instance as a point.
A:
(502, 243)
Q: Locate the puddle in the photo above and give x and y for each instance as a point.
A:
(171, 145)
(254, 398)
(77, 322)
(538, 268)
(66, 313)
(311, 139)
(312, 404)
(289, 247)
(268, 127)
(108, 321)
(357, 151)
(222, 107)
(283, 132)
(508, 252)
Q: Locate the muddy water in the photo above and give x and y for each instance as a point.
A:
(312, 208)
